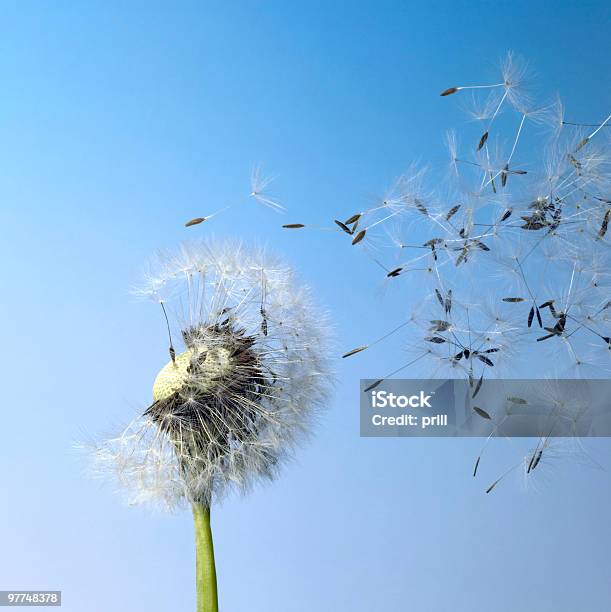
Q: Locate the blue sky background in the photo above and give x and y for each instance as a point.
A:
(120, 121)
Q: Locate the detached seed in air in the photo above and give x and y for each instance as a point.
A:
(354, 351)
(449, 91)
(482, 141)
(195, 221)
(352, 219)
(482, 412)
(359, 237)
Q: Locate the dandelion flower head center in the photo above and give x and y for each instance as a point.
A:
(198, 369)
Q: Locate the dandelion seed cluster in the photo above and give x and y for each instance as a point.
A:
(513, 245)
(230, 407)
(510, 246)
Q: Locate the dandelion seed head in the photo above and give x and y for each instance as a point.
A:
(229, 409)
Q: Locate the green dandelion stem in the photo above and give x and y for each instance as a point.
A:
(205, 569)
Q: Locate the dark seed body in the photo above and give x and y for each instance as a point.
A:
(481, 412)
(545, 337)
(504, 175)
(536, 463)
(354, 351)
(449, 91)
(492, 486)
(374, 385)
(605, 224)
(485, 360)
(482, 141)
(195, 221)
(359, 237)
(435, 339)
(344, 227)
(517, 400)
(452, 212)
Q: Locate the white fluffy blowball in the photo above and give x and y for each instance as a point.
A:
(242, 390)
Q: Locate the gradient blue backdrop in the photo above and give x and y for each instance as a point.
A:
(121, 120)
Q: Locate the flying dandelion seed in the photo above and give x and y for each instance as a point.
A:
(359, 237)
(195, 221)
(229, 408)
